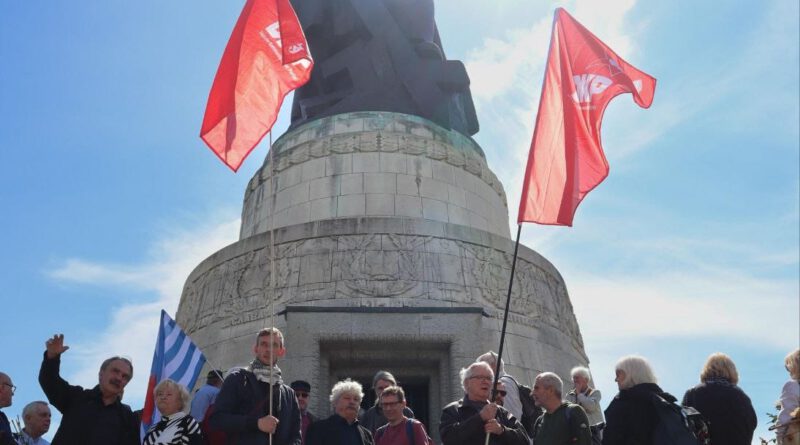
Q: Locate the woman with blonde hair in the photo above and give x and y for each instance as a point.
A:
(176, 427)
(724, 405)
(789, 416)
(631, 417)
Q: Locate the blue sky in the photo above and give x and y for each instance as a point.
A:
(689, 247)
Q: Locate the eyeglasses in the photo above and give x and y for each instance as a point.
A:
(501, 393)
(301, 395)
(385, 405)
(483, 378)
(13, 388)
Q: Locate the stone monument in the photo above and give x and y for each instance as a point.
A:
(392, 251)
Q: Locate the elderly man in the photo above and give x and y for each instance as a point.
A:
(373, 418)
(94, 416)
(400, 430)
(6, 394)
(589, 399)
(36, 416)
(206, 395)
(302, 390)
(341, 428)
(242, 407)
(466, 421)
(562, 423)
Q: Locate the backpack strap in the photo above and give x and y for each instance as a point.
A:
(379, 432)
(410, 431)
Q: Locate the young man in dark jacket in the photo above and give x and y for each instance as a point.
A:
(89, 416)
(242, 408)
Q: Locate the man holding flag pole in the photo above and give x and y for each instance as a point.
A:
(566, 160)
(254, 404)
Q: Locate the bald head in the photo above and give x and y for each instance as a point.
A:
(6, 390)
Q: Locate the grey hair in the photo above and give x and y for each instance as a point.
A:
(491, 358)
(182, 391)
(29, 408)
(637, 370)
(383, 375)
(469, 371)
(581, 371)
(346, 386)
(551, 380)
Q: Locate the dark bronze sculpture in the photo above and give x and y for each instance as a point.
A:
(380, 55)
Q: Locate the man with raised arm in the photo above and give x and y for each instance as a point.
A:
(242, 407)
(94, 416)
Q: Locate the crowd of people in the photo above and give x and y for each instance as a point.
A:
(253, 405)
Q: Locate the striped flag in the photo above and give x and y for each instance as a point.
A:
(176, 357)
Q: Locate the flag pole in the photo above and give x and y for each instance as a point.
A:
(505, 322)
(274, 194)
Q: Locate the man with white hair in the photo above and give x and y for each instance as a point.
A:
(589, 399)
(562, 423)
(36, 417)
(342, 427)
(467, 421)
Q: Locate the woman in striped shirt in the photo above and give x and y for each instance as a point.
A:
(176, 426)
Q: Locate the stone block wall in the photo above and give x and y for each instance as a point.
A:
(407, 167)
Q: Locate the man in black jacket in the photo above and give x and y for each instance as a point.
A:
(6, 394)
(89, 416)
(341, 428)
(242, 407)
(466, 421)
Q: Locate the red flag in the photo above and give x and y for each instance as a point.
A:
(266, 58)
(566, 160)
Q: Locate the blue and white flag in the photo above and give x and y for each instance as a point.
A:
(176, 357)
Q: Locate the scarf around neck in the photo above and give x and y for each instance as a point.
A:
(262, 372)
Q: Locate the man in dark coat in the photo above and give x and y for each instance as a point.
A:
(89, 416)
(341, 428)
(302, 390)
(6, 394)
(466, 421)
(242, 407)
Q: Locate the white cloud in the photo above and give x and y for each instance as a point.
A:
(132, 328)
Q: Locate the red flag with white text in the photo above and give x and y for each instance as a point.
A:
(266, 58)
(566, 160)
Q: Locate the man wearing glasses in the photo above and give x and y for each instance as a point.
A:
(6, 394)
(302, 389)
(467, 421)
(400, 430)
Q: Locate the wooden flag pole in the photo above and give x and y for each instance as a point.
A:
(505, 322)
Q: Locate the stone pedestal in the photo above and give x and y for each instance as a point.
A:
(391, 252)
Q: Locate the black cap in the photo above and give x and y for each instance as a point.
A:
(301, 385)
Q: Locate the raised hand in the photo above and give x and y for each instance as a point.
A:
(55, 346)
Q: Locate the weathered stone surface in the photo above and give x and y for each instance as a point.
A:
(406, 155)
(391, 251)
